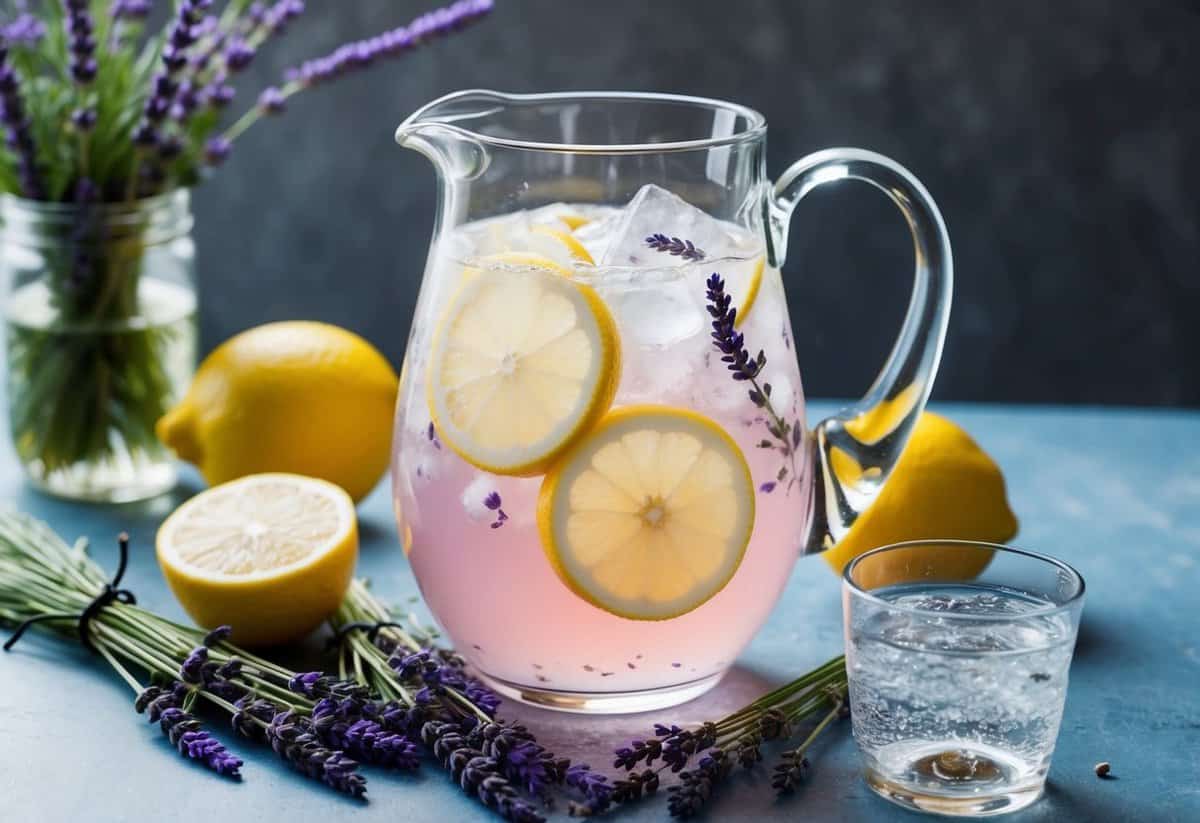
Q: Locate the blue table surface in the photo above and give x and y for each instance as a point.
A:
(1114, 492)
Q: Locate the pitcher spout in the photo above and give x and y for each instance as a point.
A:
(442, 131)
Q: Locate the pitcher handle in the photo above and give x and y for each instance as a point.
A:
(852, 453)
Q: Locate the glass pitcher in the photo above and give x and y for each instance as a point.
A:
(602, 474)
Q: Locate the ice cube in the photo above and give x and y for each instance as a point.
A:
(654, 210)
(598, 231)
(656, 309)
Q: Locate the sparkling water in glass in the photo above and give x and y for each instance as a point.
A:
(957, 655)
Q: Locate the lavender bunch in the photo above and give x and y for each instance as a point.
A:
(320, 725)
(428, 694)
(90, 99)
(704, 755)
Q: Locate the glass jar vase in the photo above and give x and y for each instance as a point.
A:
(100, 339)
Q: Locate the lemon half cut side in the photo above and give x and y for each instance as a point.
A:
(649, 516)
(269, 554)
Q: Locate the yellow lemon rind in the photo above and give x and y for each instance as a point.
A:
(577, 250)
(747, 302)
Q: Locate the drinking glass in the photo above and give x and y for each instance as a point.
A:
(957, 655)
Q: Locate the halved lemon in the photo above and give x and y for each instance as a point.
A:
(269, 554)
(523, 363)
(572, 244)
(649, 515)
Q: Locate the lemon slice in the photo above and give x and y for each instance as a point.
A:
(574, 221)
(744, 293)
(572, 244)
(269, 554)
(521, 365)
(648, 516)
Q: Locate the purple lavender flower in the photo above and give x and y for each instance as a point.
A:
(519, 756)
(594, 787)
(184, 731)
(274, 19)
(790, 773)
(84, 120)
(174, 57)
(692, 793)
(343, 724)
(726, 338)
(193, 665)
(675, 247)
(293, 739)
(476, 773)
(486, 700)
(238, 55)
(219, 94)
(218, 635)
(130, 9)
(493, 502)
(216, 150)
(25, 30)
(271, 101)
(193, 742)
(253, 716)
(18, 130)
(82, 46)
(362, 53)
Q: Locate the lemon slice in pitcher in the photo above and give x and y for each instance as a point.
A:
(523, 363)
(648, 516)
(745, 292)
(571, 243)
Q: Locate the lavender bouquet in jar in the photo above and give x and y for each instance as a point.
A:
(111, 110)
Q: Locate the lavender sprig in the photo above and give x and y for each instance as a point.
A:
(715, 747)
(675, 247)
(293, 739)
(476, 773)
(18, 129)
(185, 732)
(353, 57)
(80, 42)
(744, 368)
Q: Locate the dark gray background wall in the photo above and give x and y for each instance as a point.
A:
(1058, 137)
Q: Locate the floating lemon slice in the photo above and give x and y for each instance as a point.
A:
(648, 516)
(522, 364)
(269, 554)
(572, 244)
(574, 221)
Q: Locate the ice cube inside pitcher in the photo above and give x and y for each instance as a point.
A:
(654, 210)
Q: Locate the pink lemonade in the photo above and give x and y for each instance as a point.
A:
(472, 536)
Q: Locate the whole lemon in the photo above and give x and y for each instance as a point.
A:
(298, 397)
(944, 486)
